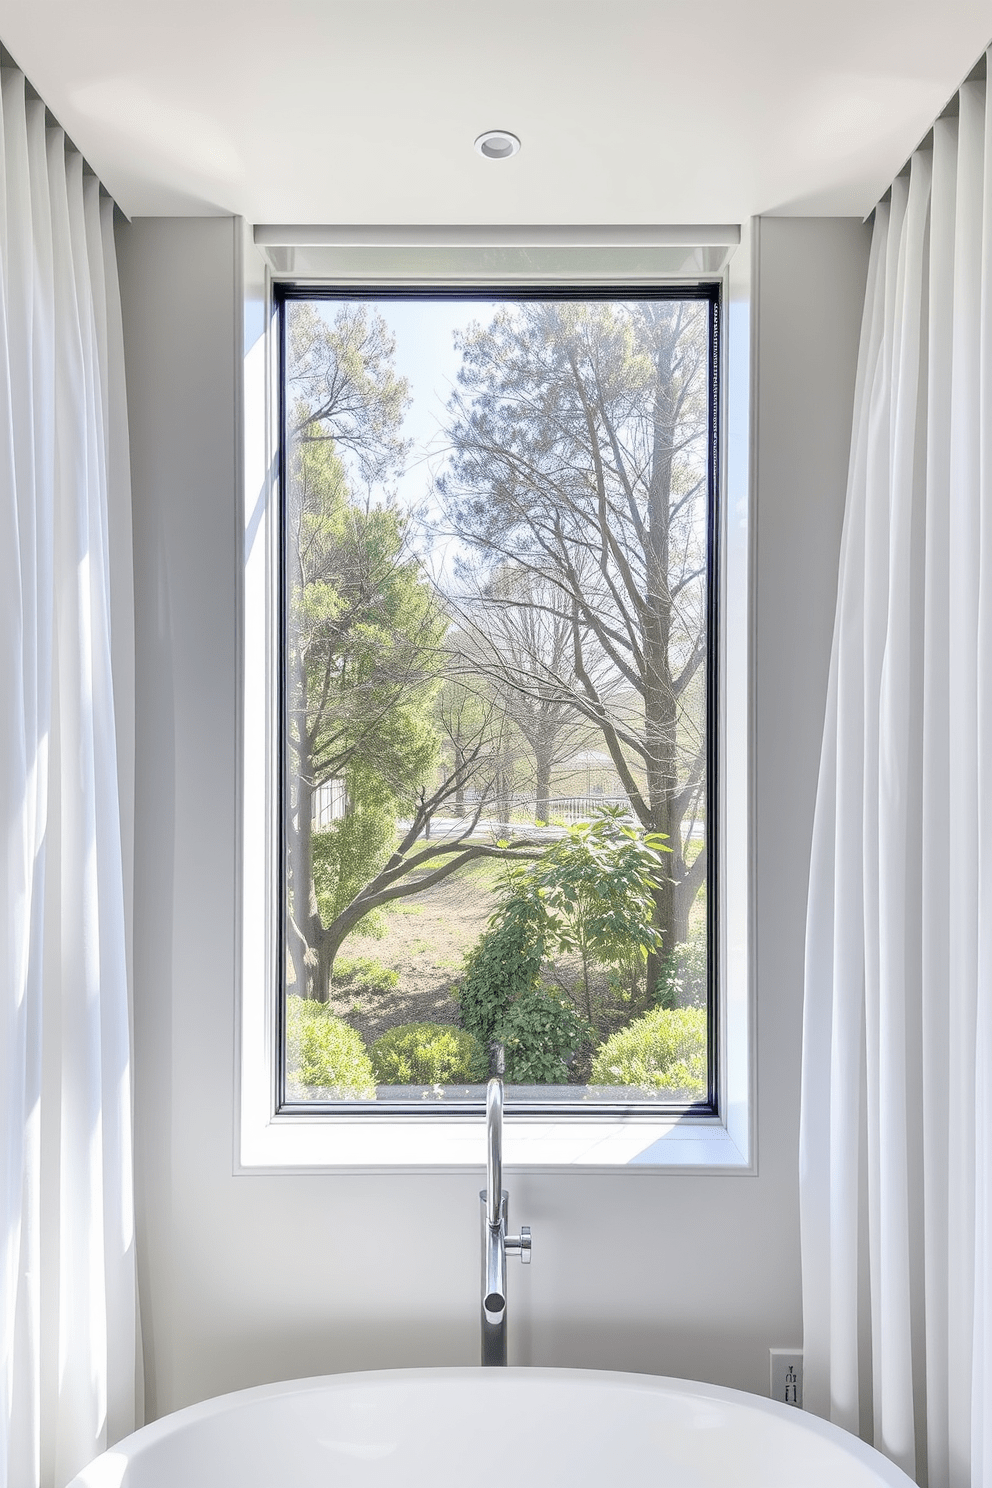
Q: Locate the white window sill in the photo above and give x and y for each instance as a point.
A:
(328, 1143)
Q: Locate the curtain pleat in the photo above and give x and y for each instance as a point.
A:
(897, 1039)
(68, 1330)
(981, 1383)
(936, 819)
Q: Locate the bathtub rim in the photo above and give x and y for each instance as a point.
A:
(148, 1436)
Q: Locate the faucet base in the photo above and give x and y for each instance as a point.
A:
(493, 1343)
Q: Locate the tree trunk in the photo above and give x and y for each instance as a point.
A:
(504, 794)
(324, 969)
(299, 837)
(542, 805)
(459, 803)
(684, 896)
(660, 711)
(313, 960)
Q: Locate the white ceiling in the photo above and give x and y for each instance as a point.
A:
(630, 111)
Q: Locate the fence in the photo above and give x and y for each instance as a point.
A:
(568, 809)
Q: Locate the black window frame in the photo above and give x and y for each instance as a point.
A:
(705, 291)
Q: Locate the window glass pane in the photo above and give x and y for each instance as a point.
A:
(498, 563)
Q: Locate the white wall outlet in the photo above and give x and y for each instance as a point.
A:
(787, 1376)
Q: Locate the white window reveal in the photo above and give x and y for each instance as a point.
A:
(495, 786)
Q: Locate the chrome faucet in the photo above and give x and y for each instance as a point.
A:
(496, 1243)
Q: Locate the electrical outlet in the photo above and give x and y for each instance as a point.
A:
(787, 1376)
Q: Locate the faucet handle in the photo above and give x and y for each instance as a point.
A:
(520, 1244)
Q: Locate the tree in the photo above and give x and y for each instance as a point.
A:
(413, 867)
(364, 655)
(363, 637)
(578, 433)
(515, 637)
(342, 386)
(473, 721)
(591, 892)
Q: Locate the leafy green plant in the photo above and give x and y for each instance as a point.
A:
(665, 1050)
(322, 1050)
(423, 1054)
(597, 884)
(540, 1030)
(504, 964)
(591, 892)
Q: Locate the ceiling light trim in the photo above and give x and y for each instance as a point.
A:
(498, 144)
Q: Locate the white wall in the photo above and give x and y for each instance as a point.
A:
(252, 1278)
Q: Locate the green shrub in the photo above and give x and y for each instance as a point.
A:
(540, 1029)
(324, 1051)
(664, 1050)
(503, 965)
(591, 892)
(596, 886)
(423, 1054)
(364, 973)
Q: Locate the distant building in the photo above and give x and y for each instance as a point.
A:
(328, 803)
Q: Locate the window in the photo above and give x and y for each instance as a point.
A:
(549, 1125)
(499, 568)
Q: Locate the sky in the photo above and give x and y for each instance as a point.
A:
(425, 355)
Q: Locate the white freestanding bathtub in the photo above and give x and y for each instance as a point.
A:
(445, 1428)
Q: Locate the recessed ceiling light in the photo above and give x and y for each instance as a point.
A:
(497, 144)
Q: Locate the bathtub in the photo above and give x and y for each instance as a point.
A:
(445, 1428)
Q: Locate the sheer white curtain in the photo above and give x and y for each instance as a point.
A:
(68, 1331)
(896, 1125)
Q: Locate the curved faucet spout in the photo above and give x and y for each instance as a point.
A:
(494, 1152)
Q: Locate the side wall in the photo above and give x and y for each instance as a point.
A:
(253, 1278)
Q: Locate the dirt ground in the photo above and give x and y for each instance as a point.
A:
(426, 938)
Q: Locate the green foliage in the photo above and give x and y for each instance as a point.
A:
(423, 1054)
(341, 372)
(323, 1051)
(597, 884)
(364, 624)
(665, 1051)
(349, 853)
(540, 1030)
(505, 963)
(682, 976)
(589, 892)
(372, 926)
(364, 632)
(364, 974)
